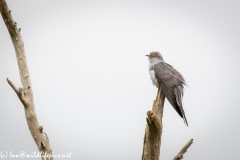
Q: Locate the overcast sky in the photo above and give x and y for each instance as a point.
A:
(91, 84)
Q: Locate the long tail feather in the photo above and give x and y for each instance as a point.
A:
(178, 92)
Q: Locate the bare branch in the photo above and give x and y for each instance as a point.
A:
(19, 93)
(183, 150)
(153, 131)
(17, 90)
(25, 93)
(19, 49)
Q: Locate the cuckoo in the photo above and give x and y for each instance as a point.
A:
(168, 80)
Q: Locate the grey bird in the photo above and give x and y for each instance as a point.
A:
(169, 80)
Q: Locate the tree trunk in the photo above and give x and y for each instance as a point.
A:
(25, 93)
(153, 131)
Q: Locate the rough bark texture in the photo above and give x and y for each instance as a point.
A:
(183, 150)
(25, 93)
(153, 131)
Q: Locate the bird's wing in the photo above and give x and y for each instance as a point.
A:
(171, 82)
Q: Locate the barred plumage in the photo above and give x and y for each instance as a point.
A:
(170, 80)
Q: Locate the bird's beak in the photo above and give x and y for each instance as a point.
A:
(147, 55)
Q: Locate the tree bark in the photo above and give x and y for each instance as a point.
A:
(153, 131)
(25, 93)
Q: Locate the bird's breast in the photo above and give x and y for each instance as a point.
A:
(153, 77)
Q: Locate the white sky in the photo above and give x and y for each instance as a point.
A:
(91, 84)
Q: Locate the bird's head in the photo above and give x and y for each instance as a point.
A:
(155, 57)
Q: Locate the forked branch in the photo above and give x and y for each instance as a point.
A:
(25, 93)
(19, 92)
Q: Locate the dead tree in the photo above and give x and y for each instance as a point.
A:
(24, 93)
(153, 132)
